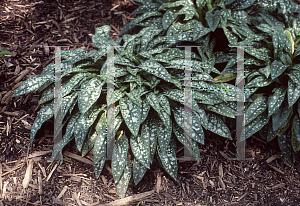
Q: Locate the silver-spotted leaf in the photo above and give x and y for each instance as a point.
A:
(217, 126)
(140, 150)
(123, 182)
(138, 171)
(131, 113)
(155, 69)
(275, 100)
(257, 107)
(293, 92)
(89, 94)
(277, 68)
(119, 157)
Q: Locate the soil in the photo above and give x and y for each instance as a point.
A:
(27, 176)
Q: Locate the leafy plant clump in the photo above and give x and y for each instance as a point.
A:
(271, 63)
(149, 103)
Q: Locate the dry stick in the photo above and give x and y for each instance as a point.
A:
(28, 174)
(131, 199)
(40, 183)
(244, 195)
(62, 192)
(0, 180)
(15, 168)
(77, 199)
(39, 153)
(49, 176)
(77, 157)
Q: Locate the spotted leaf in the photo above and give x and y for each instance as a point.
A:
(213, 19)
(284, 142)
(131, 113)
(296, 127)
(168, 160)
(279, 118)
(140, 150)
(156, 69)
(217, 126)
(119, 156)
(221, 109)
(138, 171)
(123, 182)
(257, 107)
(145, 110)
(275, 100)
(89, 94)
(293, 92)
(277, 68)
(254, 126)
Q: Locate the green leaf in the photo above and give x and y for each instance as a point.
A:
(122, 184)
(296, 126)
(163, 136)
(257, 107)
(282, 114)
(138, 171)
(189, 12)
(232, 39)
(119, 157)
(89, 95)
(285, 145)
(140, 150)
(149, 134)
(44, 114)
(83, 124)
(5, 52)
(33, 83)
(259, 81)
(164, 103)
(285, 58)
(294, 141)
(259, 53)
(275, 100)
(138, 20)
(168, 160)
(225, 77)
(213, 19)
(189, 143)
(295, 76)
(199, 31)
(221, 109)
(100, 143)
(240, 5)
(255, 125)
(266, 71)
(68, 136)
(154, 102)
(131, 113)
(156, 69)
(148, 6)
(145, 110)
(293, 92)
(217, 126)
(135, 97)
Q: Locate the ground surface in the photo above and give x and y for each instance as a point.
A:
(26, 28)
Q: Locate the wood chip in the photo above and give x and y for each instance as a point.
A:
(130, 199)
(270, 159)
(278, 186)
(244, 195)
(28, 174)
(49, 176)
(39, 153)
(22, 74)
(77, 199)
(16, 114)
(222, 183)
(62, 192)
(40, 183)
(158, 182)
(224, 155)
(0, 180)
(276, 169)
(220, 171)
(77, 157)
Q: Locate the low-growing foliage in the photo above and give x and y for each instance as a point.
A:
(150, 79)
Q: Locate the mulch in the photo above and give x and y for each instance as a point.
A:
(27, 176)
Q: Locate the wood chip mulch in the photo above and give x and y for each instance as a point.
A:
(27, 176)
